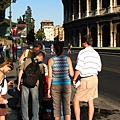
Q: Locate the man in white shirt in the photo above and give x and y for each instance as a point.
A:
(88, 66)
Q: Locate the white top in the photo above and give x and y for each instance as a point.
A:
(88, 62)
(3, 89)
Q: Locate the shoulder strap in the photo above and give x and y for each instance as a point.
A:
(26, 53)
(3, 73)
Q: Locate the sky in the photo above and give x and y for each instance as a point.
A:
(41, 10)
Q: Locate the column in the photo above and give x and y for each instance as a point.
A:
(111, 34)
(115, 35)
(88, 7)
(114, 3)
(79, 9)
(99, 35)
(99, 6)
(73, 10)
(88, 31)
(111, 6)
(80, 39)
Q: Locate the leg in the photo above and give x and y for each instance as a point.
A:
(24, 102)
(67, 117)
(76, 106)
(2, 117)
(66, 96)
(91, 108)
(57, 118)
(35, 103)
(56, 96)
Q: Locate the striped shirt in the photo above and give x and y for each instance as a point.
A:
(88, 62)
(60, 72)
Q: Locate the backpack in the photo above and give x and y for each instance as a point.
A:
(31, 74)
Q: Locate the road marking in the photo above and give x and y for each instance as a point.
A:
(111, 69)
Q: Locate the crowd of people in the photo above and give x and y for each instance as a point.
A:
(60, 77)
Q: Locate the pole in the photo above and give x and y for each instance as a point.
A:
(10, 12)
(10, 18)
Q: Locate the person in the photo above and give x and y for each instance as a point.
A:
(59, 82)
(88, 66)
(51, 49)
(14, 50)
(26, 90)
(5, 67)
(29, 53)
(69, 48)
(43, 48)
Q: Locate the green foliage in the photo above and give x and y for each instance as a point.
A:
(28, 19)
(18, 41)
(40, 35)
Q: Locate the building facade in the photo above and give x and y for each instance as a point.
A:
(59, 33)
(48, 27)
(99, 18)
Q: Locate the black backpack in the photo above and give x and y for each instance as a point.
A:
(31, 74)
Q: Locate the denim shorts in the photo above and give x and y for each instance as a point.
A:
(61, 95)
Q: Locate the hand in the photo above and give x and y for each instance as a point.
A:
(18, 87)
(74, 83)
(10, 82)
(48, 94)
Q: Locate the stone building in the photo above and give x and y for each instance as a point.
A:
(99, 18)
(48, 27)
(59, 33)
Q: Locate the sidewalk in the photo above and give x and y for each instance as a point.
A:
(105, 108)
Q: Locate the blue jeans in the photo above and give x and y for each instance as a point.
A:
(24, 102)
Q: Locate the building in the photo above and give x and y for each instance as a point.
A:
(48, 27)
(99, 18)
(59, 33)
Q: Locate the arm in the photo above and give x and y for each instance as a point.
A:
(22, 56)
(77, 73)
(19, 79)
(49, 76)
(71, 71)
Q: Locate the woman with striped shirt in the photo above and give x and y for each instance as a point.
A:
(59, 82)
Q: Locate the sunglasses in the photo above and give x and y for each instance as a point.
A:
(11, 67)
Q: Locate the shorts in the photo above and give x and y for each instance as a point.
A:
(87, 89)
(61, 94)
(3, 107)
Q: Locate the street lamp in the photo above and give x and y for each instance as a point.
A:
(10, 17)
(10, 13)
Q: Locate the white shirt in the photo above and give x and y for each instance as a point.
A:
(88, 62)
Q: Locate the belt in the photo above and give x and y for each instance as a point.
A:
(87, 76)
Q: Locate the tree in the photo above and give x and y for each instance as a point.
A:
(30, 25)
(40, 34)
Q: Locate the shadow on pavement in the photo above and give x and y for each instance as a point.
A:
(100, 114)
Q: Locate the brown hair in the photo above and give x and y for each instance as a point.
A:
(38, 44)
(58, 46)
(88, 39)
(9, 63)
